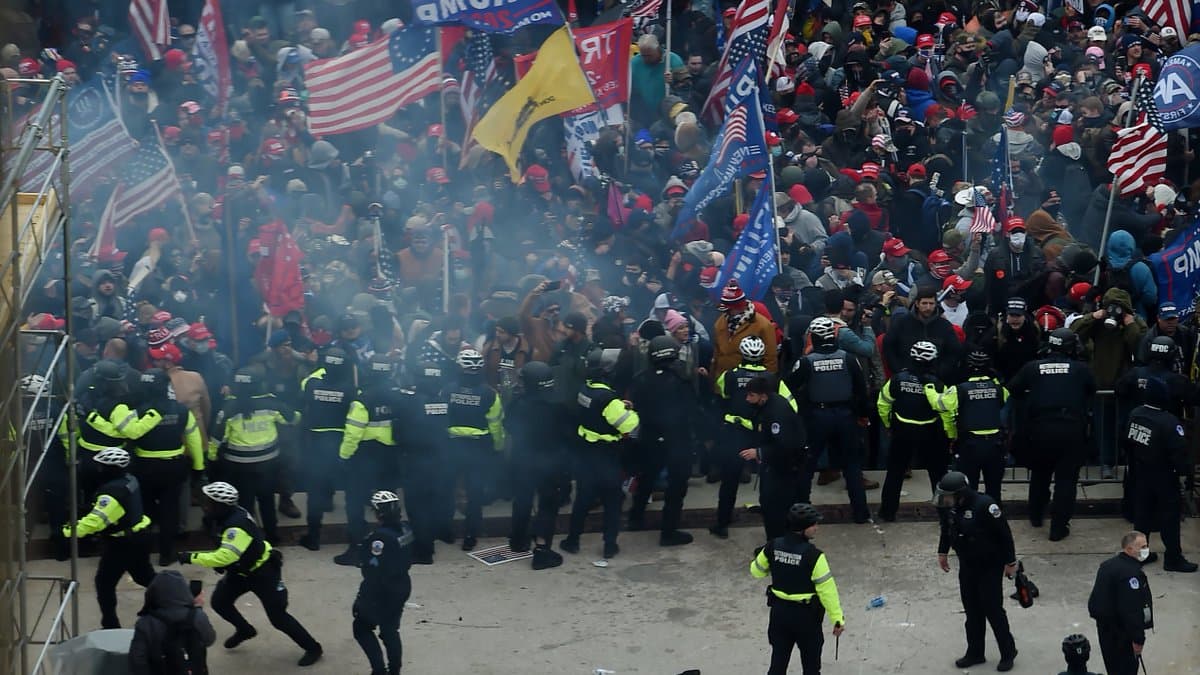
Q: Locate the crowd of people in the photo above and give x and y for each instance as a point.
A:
(511, 331)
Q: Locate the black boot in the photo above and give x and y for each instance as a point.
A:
(349, 558)
(544, 558)
(312, 540)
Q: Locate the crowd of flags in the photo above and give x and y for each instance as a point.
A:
(1139, 154)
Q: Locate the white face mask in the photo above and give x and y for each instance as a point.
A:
(1143, 553)
(1017, 240)
(180, 296)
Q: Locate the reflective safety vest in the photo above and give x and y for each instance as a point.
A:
(603, 417)
(242, 550)
(731, 384)
(799, 573)
(251, 436)
(979, 402)
(903, 397)
(116, 510)
(475, 411)
(176, 433)
(371, 419)
(829, 381)
(108, 428)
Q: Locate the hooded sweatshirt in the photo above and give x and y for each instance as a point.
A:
(1112, 347)
(919, 95)
(168, 603)
(1120, 251)
(1034, 55)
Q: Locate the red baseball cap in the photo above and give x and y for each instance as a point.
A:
(436, 130)
(916, 171)
(166, 352)
(46, 322)
(925, 41)
(787, 116)
(870, 170)
(1079, 291)
(437, 175)
(539, 176)
(160, 317)
(159, 234)
(1014, 223)
(862, 21)
(957, 282)
(895, 247)
(199, 331)
(800, 194)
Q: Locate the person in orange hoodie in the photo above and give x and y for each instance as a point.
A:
(740, 318)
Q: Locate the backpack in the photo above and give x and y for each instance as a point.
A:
(935, 211)
(182, 649)
(1121, 278)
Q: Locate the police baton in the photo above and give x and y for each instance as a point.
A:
(1139, 661)
(837, 642)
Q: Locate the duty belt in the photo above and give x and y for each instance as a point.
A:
(827, 406)
(593, 437)
(158, 454)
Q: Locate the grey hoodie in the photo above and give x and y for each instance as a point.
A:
(1035, 53)
(168, 602)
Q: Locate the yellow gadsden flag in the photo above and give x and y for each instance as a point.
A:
(554, 84)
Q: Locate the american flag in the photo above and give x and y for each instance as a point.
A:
(478, 84)
(1139, 155)
(735, 133)
(1174, 13)
(149, 181)
(363, 88)
(647, 9)
(97, 142)
(780, 25)
(748, 37)
(150, 22)
(982, 220)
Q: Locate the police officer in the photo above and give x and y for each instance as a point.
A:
(368, 451)
(779, 451)
(737, 431)
(1122, 605)
(163, 456)
(1077, 650)
(604, 421)
(428, 490)
(540, 433)
(974, 526)
(246, 441)
(384, 557)
(250, 565)
(326, 397)
(1155, 443)
(476, 430)
(667, 404)
(105, 421)
(1054, 395)
(802, 590)
(832, 391)
(979, 447)
(910, 405)
(117, 515)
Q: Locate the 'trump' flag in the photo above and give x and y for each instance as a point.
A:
(747, 38)
(1176, 14)
(981, 218)
(488, 16)
(148, 183)
(738, 149)
(211, 63)
(1176, 93)
(363, 88)
(278, 272)
(754, 258)
(1139, 155)
(98, 142)
(150, 22)
(1002, 175)
(555, 84)
(1177, 269)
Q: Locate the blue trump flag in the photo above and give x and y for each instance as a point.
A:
(754, 258)
(1177, 92)
(488, 15)
(740, 147)
(1177, 269)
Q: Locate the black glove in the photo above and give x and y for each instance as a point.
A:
(184, 557)
(199, 478)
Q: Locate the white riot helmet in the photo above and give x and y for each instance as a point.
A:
(752, 348)
(221, 493)
(112, 457)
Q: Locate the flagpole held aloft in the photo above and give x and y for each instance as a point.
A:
(441, 102)
(1112, 193)
(667, 54)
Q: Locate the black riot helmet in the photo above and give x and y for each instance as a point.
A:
(110, 379)
(246, 383)
(536, 377)
(379, 369)
(155, 384)
(1163, 351)
(663, 349)
(1063, 341)
(336, 363)
(952, 485)
(1076, 649)
(595, 365)
(803, 516)
(979, 361)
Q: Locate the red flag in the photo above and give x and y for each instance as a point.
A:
(605, 61)
(211, 63)
(278, 272)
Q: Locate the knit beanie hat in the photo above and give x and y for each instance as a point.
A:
(1062, 134)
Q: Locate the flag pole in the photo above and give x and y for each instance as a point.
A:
(187, 216)
(1112, 193)
(441, 97)
(762, 125)
(667, 54)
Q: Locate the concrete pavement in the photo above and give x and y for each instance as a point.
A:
(663, 611)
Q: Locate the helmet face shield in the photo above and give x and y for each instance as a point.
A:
(944, 499)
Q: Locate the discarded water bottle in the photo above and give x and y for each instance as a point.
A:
(876, 602)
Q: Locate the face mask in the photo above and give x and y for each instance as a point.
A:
(1017, 240)
(1143, 553)
(180, 296)
(776, 150)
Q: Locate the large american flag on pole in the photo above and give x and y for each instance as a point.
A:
(646, 10)
(480, 81)
(363, 88)
(748, 37)
(149, 181)
(150, 22)
(1139, 155)
(1174, 13)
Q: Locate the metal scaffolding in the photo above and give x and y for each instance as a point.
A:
(37, 373)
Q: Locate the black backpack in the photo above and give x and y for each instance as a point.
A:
(183, 651)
